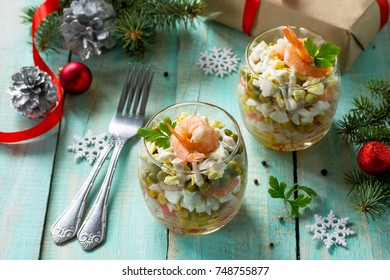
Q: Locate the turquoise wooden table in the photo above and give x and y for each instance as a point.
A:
(40, 177)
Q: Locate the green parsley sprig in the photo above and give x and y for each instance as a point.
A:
(324, 55)
(160, 134)
(278, 190)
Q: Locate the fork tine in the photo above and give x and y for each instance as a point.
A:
(140, 89)
(125, 90)
(146, 95)
(133, 90)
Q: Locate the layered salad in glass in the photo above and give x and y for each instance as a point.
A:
(288, 88)
(193, 172)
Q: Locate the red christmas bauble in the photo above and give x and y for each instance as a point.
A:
(75, 78)
(374, 158)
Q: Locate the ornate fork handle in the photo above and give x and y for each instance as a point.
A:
(67, 225)
(93, 231)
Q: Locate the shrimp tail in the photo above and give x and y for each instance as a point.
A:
(298, 44)
(291, 36)
(184, 141)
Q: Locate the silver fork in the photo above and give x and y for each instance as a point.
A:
(128, 118)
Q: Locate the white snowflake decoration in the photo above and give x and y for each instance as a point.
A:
(219, 62)
(88, 146)
(339, 229)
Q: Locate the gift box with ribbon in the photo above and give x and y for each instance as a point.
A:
(351, 24)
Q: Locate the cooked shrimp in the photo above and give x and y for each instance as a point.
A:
(298, 45)
(192, 138)
(296, 55)
(292, 59)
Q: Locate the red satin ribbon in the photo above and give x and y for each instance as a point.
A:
(55, 115)
(250, 10)
(384, 12)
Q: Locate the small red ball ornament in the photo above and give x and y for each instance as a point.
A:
(374, 158)
(75, 77)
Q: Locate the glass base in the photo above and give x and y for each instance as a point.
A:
(196, 232)
(176, 225)
(293, 145)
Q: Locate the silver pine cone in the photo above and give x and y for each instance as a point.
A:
(87, 26)
(32, 93)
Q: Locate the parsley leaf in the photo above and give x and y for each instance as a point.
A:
(311, 47)
(324, 55)
(278, 190)
(160, 134)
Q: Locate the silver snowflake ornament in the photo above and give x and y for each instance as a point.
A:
(331, 230)
(219, 62)
(88, 146)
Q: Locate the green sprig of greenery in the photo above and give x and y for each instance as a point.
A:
(167, 14)
(159, 134)
(48, 36)
(279, 190)
(137, 22)
(370, 194)
(136, 30)
(369, 120)
(325, 55)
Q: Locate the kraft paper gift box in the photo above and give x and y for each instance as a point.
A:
(351, 24)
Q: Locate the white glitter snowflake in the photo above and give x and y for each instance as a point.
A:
(219, 62)
(88, 146)
(338, 228)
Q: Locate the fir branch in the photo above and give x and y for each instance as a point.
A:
(137, 31)
(379, 88)
(354, 178)
(367, 134)
(28, 13)
(137, 22)
(48, 36)
(371, 197)
(167, 13)
(370, 118)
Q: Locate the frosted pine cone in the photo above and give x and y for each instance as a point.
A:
(33, 93)
(87, 26)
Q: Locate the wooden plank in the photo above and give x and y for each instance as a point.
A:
(256, 226)
(42, 172)
(372, 238)
(26, 167)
